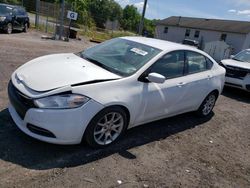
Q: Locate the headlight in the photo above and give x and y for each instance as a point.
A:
(65, 101)
(2, 18)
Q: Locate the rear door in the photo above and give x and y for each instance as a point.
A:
(198, 78)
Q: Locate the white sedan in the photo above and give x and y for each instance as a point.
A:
(238, 70)
(97, 94)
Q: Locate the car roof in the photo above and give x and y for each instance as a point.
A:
(162, 44)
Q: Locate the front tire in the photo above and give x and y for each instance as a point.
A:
(106, 127)
(207, 105)
(9, 28)
(26, 27)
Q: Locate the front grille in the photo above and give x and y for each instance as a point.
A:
(19, 101)
(40, 131)
(236, 72)
(237, 85)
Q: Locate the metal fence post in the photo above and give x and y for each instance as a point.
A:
(61, 19)
(37, 13)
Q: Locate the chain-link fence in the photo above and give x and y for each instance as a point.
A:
(52, 18)
(48, 17)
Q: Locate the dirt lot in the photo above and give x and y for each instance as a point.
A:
(183, 151)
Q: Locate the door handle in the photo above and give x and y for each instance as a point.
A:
(181, 84)
(209, 77)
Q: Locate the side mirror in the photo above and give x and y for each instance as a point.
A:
(156, 78)
(232, 56)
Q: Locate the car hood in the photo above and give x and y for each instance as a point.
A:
(234, 63)
(59, 70)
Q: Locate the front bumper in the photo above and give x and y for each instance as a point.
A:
(241, 83)
(67, 125)
(3, 25)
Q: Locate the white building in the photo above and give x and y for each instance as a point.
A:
(176, 29)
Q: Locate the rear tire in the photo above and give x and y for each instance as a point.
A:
(106, 127)
(207, 105)
(9, 28)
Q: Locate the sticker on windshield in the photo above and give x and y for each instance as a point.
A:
(139, 51)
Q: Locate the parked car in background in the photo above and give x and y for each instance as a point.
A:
(238, 70)
(97, 94)
(13, 18)
(190, 42)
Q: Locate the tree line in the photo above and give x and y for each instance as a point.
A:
(95, 13)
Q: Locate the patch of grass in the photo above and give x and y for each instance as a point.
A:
(102, 34)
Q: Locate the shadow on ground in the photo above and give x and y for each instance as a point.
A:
(18, 148)
(13, 32)
(237, 94)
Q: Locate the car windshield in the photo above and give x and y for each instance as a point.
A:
(120, 56)
(243, 56)
(5, 9)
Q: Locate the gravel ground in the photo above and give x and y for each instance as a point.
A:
(183, 151)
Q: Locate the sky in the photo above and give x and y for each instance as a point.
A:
(218, 9)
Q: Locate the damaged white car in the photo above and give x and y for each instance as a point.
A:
(97, 94)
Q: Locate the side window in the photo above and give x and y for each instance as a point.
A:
(15, 12)
(223, 37)
(187, 34)
(196, 34)
(195, 62)
(166, 30)
(209, 64)
(171, 65)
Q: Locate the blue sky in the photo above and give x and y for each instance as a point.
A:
(221, 9)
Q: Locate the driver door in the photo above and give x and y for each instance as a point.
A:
(161, 100)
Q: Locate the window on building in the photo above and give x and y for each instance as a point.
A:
(166, 30)
(223, 37)
(187, 34)
(197, 34)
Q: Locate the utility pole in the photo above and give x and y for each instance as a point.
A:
(37, 13)
(61, 20)
(142, 17)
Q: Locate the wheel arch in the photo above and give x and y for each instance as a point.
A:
(216, 91)
(125, 109)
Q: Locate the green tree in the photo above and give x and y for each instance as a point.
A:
(115, 11)
(149, 27)
(102, 10)
(131, 18)
(14, 2)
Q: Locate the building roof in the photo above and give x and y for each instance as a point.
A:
(230, 26)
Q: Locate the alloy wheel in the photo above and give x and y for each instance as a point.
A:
(108, 128)
(209, 104)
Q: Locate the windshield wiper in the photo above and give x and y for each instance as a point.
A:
(98, 63)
